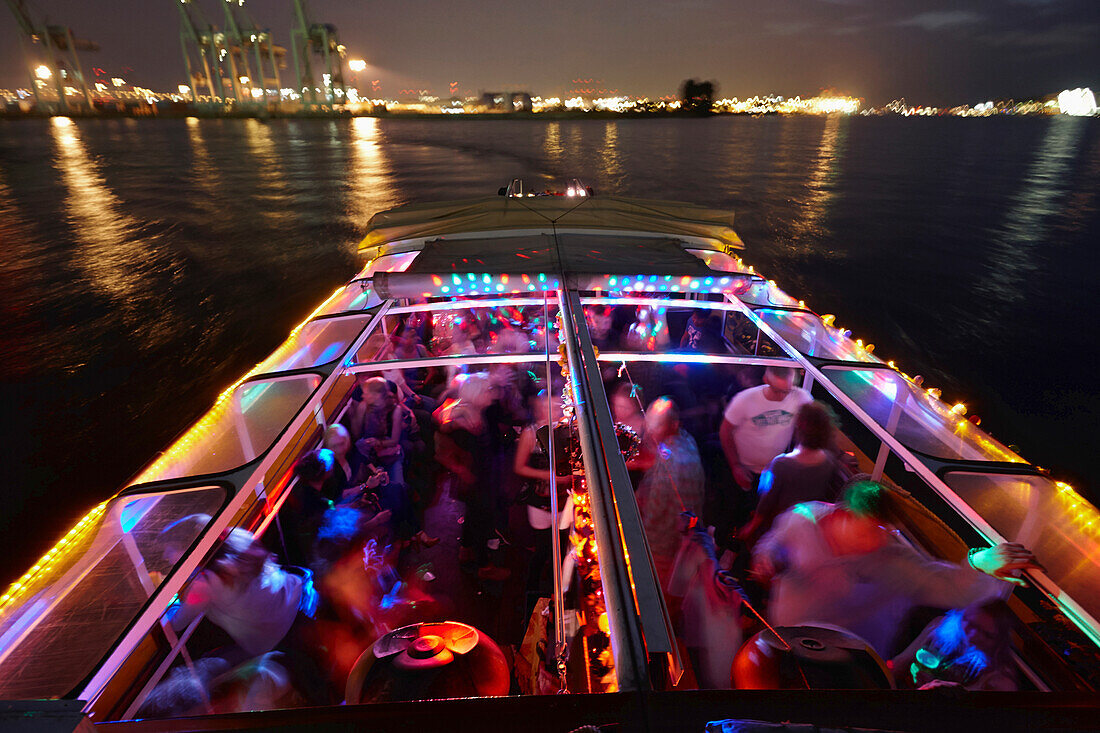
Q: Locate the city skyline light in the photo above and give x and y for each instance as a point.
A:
(938, 53)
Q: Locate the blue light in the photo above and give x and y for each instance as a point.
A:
(330, 353)
(133, 513)
(765, 483)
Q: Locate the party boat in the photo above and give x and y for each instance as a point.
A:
(84, 635)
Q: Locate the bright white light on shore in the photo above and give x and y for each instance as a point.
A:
(1077, 102)
(244, 80)
(184, 89)
(43, 72)
(257, 93)
(357, 64)
(117, 81)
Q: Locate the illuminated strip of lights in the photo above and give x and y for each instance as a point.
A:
(678, 358)
(460, 304)
(1085, 515)
(19, 588)
(664, 302)
(423, 285)
(663, 283)
(185, 442)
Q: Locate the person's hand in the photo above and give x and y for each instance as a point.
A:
(1005, 561)
(379, 478)
(742, 477)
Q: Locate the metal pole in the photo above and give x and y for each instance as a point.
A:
(627, 643)
(555, 533)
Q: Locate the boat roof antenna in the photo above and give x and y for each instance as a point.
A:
(515, 188)
(576, 188)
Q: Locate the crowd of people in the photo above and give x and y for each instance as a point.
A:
(796, 537)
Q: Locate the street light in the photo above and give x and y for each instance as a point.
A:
(357, 64)
(43, 72)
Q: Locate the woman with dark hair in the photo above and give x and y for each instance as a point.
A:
(968, 647)
(810, 472)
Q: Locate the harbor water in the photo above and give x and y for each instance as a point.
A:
(146, 264)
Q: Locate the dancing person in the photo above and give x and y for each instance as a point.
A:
(672, 483)
(810, 472)
(758, 424)
(837, 565)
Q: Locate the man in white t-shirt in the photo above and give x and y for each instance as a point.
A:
(758, 424)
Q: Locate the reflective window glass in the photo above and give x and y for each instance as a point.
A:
(810, 336)
(240, 427)
(1050, 518)
(318, 342)
(916, 419)
(671, 326)
(355, 296)
(85, 593)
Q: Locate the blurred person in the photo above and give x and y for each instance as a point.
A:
(703, 333)
(464, 447)
(837, 565)
(379, 427)
(672, 483)
(532, 464)
(705, 604)
(649, 332)
(810, 472)
(758, 424)
(968, 647)
(354, 474)
(260, 605)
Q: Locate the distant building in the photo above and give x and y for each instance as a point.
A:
(506, 102)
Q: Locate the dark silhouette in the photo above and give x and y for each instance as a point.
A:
(698, 97)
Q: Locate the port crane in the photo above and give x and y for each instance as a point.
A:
(201, 52)
(61, 59)
(243, 31)
(309, 38)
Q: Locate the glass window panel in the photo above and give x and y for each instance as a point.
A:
(398, 262)
(809, 335)
(318, 342)
(673, 326)
(1050, 518)
(241, 426)
(71, 612)
(355, 296)
(446, 331)
(917, 420)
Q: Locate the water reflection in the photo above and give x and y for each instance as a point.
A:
(611, 168)
(808, 228)
(551, 145)
(369, 175)
(1026, 226)
(267, 161)
(203, 172)
(114, 254)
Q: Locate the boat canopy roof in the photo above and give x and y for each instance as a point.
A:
(551, 213)
(577, 253)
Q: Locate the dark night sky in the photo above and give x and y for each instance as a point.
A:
(930, 51)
